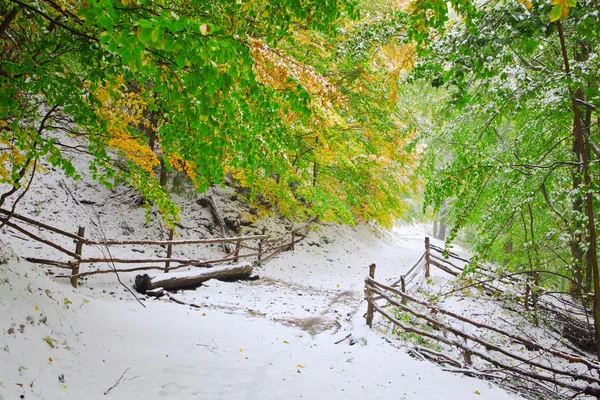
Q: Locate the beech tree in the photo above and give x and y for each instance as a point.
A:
(260, 91)
(520, 134)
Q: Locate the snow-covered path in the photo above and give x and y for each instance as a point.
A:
(243, 344)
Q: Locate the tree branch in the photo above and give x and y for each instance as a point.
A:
(56, 22)
(7, 20)
(552, 207)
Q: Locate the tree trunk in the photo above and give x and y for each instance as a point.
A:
(508, 249)
(442, 231)
(578, 132)
(163, 174)
(314, 182)
(208, 200)
(576, 269)
(176, 280)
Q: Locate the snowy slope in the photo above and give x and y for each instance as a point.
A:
(268, 339)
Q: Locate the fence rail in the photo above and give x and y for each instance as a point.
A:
(534, 362)
(264, 249)
(534, 298)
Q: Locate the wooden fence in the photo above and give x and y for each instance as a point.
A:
(531, 362)
(575, 319)
(261, 247)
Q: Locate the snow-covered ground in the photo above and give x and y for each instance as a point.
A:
(272, 338)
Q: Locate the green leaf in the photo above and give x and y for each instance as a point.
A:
(556, 12)
(146, 34)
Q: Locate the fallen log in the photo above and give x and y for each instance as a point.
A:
(177, 280)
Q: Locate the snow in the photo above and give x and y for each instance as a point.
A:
(272, 338)
(169, 350)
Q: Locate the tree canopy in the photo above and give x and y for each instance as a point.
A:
(267, 93)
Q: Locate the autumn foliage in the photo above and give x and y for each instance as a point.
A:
(256, 94)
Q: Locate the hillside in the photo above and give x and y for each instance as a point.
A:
(265, 339)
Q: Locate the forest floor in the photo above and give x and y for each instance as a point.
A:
(272, 338)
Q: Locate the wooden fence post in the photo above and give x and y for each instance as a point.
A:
(293, 241)
(403, 288)
(260, 245)
(427, 250)
(238, 244)
(369, 304)
(78, 251)
(467, 356)
(169, 250)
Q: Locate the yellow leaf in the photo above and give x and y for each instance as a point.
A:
(37, 308)
(204, 314)
(477, 392)
(561, 9)
(241, 350)
(527, 3)
(50, 359)
(300, 366)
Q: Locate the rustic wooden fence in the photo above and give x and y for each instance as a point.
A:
(532, 363)
(575, 319)
(260, 247)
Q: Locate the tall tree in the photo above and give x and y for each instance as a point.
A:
(520, 136)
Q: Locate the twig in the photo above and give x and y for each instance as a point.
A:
(113, 265)
(209, 347)
(182, 302)
(117, 382)
(341, 340)
(14, 206)
(590, 389)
